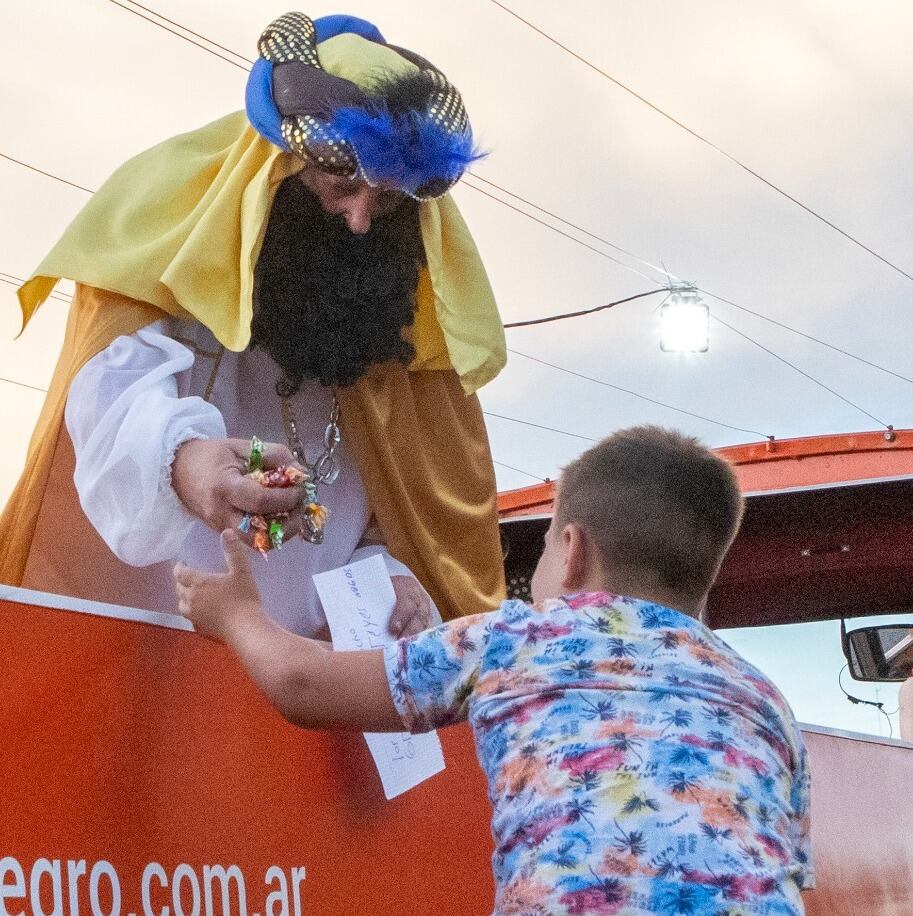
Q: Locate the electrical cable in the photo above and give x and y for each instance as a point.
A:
(16, 281)
(801, 372)
(659, 270)
(215, 44)
(581, 312)
(604, 241)
(197, 44)
(547, 319)
(858, 701)
(10, 381)
(33, 168)
(510, 467)
(567, 235)
(704, 140)
(641, 397)
(599, 308)
(550, 429)
(536, 206)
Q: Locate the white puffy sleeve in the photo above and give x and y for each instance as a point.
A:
(126, 419)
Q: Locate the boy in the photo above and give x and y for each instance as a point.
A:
(635, 762)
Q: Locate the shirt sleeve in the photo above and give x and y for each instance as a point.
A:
(432, 674)
(800, 828)
(126, 421)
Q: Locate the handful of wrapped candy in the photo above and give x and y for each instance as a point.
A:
(269, 530)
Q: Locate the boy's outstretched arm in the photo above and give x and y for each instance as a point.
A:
(309, 683)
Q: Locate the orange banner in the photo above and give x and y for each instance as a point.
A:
(142, 774)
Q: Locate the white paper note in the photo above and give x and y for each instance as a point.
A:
(358, 600)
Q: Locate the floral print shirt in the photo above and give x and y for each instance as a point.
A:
(636, 763)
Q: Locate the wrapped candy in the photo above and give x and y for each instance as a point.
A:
(315, 517)
(255, 459)
(269, 531)
(261, 534)
(282, 476)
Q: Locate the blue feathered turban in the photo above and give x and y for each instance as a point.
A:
(409, 131)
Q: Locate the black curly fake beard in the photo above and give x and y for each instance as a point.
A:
(329, 303)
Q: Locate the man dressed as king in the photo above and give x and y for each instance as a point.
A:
(294, 276)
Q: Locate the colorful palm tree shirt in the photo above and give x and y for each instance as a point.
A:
(636, 763)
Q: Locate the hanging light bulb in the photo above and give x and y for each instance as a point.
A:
(684, 320)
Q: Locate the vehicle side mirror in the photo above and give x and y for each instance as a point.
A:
(880, 653)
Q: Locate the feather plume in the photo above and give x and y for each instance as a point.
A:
(408, 150)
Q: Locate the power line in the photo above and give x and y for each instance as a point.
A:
(581, 312)
(751, 340)
(671, 276)
(161, 25)
(659, 270)
(10, 381)
(33, 168)
(567, 235)
(541, 209)
(17, 281)
(704, 140)
(537, 220)
(810, 337)
(510, 467)
(735, 330)
(547, 225)
(550, 429)
(215, 44)
(641, 397)
(802, 372)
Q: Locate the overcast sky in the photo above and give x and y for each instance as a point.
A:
(814, 95)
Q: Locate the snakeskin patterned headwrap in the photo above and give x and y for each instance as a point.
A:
(410, 132)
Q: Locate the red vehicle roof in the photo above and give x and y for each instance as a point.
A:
(826, 531)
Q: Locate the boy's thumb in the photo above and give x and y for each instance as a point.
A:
(233, 548)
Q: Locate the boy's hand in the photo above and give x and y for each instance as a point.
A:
(308, 683)
(412, 612)
(216, 602)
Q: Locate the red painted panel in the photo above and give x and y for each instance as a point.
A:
(861, 838)
(778, 465)
(134, 744)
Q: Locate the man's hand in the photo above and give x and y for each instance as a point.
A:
(208, 476)
(218, 603)
(412, 612)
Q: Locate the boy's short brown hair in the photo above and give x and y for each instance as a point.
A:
(655, 502)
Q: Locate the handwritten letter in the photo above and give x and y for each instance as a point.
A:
(358, 600)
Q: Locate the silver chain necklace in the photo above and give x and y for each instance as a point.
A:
(326, 468)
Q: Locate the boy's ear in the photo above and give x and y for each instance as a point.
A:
(577, 550)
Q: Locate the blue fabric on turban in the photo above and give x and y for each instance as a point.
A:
(258, 97)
